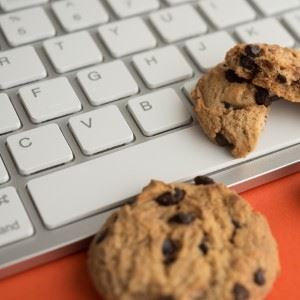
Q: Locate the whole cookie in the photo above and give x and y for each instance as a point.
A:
(230, 111)
(274, 68)
(184, 242)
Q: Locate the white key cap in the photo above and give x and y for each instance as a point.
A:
(100, 130)
(72, 51)
(188, 87)
(3, 173)
(159, 111)
(19, 66)
(271, 7)
(26, 26)
(39, 149)
(172, 23)
(73, 193)
(49, 99)
(108, 82)
(127, 37)
(78, 14)
(223, 13)
(174, 2)
(162, 66)
(9, 120)
(209, 50)
(263, 32)
(14, 222)
(8, 5)
(293, 21)
(128, 8)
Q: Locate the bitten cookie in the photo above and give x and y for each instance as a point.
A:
(184, 242)
(230, 111)
(274, 68)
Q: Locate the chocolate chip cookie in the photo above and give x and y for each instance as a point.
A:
(271, 67)
(184, 242)
(231, 111)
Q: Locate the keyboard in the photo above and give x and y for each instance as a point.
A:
(94, 103)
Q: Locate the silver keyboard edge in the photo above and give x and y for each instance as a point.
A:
(47, 245)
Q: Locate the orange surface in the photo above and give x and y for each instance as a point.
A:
(67, 278)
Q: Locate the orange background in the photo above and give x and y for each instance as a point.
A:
(67, 278)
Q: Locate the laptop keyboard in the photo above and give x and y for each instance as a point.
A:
(94, 103)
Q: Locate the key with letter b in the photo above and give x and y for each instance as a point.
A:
(159, 111)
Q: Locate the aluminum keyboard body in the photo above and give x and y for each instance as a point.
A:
(141, 147)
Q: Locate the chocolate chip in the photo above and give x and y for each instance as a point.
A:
(252, 50)
(204, 245)
(203, 180)
(249, 64)
(170, 198)
(236, 224)
(183, 218)
(101, 236)
(222, 141)
(240, 292)
(259, 277)
(233, 78)
(262, 96)
(281, 78)
(227, 105)
(169, 250)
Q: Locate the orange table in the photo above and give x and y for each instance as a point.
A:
(67, 278)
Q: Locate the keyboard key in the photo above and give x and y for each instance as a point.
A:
(14, 222)
(74, 193)
(8, 5)
(209, 50)
(100, 130)
(223, 13)
(188, 87)
(21, 27)
(162, 66)
(263, 32)
(78, 14)
(9, 120)
(159, 111)
(128, 8)
(127, 37)
(3, 174)
(108, 82)
(271, 7)
(39, 149)
(19, 66)
(293, 21)
(172, 23)
(49, 99)
(73, 51)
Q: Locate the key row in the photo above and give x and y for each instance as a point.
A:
(20, 27)
(78, 50)
(96, 131)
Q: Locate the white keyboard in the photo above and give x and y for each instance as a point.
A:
(94, 103)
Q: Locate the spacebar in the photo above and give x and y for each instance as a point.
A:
(85, 189)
